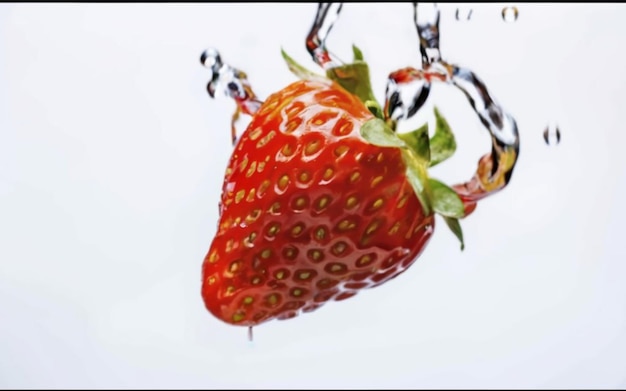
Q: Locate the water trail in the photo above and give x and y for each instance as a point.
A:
(327, 14)
(407, 91)
(426, 18)
(228, 81)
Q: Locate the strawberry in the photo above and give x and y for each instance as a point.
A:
(320, 200)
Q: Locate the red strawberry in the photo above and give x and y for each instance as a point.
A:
(310, 210)
(321, 199)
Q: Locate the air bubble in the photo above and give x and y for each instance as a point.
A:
(463, 14)
(552, 134)
(509, 14)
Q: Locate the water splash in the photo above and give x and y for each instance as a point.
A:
(510, 14)
(228, 81)
(408, 90)
(552, 134)
(463, 14)
(403, 100)
(327, 14)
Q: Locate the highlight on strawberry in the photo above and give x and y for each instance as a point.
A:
(322, 198)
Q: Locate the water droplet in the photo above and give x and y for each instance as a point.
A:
(463, 14)
(227, 81)
(250, 335)
(509, 14)
(552, 135)
(211, 59)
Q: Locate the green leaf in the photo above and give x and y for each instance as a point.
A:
(376, 132)
(358, 54)
(417, 176)
(355, 78)
(374, 108)
(298, 70)
(455, 227)
(445, 200)
(443, 143)
(418, 141)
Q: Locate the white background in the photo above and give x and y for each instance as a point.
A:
(111, 164)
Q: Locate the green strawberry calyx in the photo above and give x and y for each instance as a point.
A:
(419, 151)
